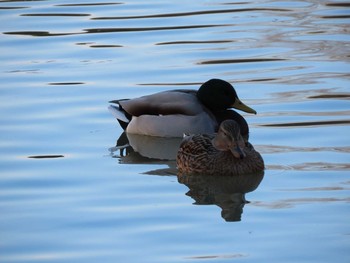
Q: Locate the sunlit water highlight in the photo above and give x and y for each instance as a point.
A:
(66, 195)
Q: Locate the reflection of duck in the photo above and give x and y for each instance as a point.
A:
(173, 113)
(150, 147)
(225, 154)
(141, 149)
(227, 192)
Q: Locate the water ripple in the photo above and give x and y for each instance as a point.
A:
(110, 30)
(37, 33)
(336, 17)
(66, 83)
(269, 149)
(338, 4)
(306, 124)
(243, 60)
(137, 29)
(90, 4)
(12, 7)
(193, 13)
(55, 14)
(194, 42)
(51, 156)
(290, 203)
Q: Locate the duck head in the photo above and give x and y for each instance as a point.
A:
(229, 138)
(217, 94)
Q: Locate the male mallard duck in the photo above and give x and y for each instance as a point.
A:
(173, 113)
(226, 153)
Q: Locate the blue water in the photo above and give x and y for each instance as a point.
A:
(62, 61)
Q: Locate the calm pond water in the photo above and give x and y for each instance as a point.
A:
(67, 196)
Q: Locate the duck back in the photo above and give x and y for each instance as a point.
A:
(168, 114)
(164, 103)
(197, 155)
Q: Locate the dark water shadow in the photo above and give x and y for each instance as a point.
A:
(55, 14)
(194, 42)
(109, 30)
(227, 192)
(48, 156)
(193, 13)
(307, 124)
(65, 83)
(243, 60)
(338, 4)
(12, 7)
(89, 4)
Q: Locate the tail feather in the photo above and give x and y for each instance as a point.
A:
(118, 113)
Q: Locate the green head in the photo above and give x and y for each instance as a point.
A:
(217, 95)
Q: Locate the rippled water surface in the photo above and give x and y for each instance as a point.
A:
(67, 196)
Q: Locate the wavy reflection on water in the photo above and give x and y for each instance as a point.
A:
(311, 166)
(12, 7)
(55, 14)
(109, 30)
(287, 149)
(194, 42)
(227, 192)
(290, 203)
(205, 12)
(306, 124)
(90, 4)
(242, 60)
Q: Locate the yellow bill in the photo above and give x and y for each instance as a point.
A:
(241, 106)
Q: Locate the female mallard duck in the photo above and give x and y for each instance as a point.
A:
(226, 153)
(173, 113)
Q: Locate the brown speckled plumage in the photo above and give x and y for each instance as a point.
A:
(197, 155)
